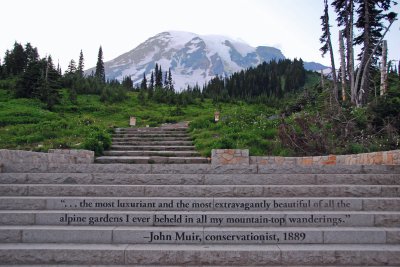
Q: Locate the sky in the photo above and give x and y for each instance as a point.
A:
(62, 28)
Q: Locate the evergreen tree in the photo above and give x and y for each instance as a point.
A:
(71, 67)
(100, 71)
(81, 64)
(158, 76)
(31, 53)
(15, 61)
(30, 80)
(47, 90)
(327, 46)
(143, 84)
(170, 81)
(371, 15)
(127, 82)
(59, 69)
(151, 86)
(166, 85)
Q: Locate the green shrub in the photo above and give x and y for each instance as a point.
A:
(97, 141)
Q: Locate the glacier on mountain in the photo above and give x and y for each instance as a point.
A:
(192, 58)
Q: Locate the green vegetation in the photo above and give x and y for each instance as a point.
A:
(276, 108)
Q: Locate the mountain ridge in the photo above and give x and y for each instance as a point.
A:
(192, 58)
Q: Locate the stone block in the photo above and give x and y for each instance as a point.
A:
(387, 220)
(359, 236)
(392, 236)
(230, 156)
(10, 235)
(211, 255)
(13, 190)
(22, 203)
(382, 204)
(70, 234)
(44, 254)
(259, 179)
(16, 218)
(87, 190)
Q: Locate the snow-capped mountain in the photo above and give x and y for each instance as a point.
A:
(192, 58)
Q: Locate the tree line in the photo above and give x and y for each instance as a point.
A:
(268, 80)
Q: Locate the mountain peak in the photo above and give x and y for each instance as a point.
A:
(192, 58)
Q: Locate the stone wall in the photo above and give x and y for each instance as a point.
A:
(241, 156)
(60, 156)
(230, 156)
(374, 158)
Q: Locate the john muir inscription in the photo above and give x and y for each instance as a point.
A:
(210, 204)
(209, 220)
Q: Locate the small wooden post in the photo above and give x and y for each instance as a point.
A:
(132, 121)
(216, 116)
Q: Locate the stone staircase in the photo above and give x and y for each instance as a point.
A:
(199, 215)
(166, 144)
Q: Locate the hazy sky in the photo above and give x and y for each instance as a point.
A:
(63, 27)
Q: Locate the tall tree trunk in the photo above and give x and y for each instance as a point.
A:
(384, 74)
(364, 85)
(342, 65)
(335, 88)
(365, 66)
(350, 53)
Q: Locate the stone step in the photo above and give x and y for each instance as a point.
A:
(201, 255)
(199, 179)
(150, 135)
(153, 143)
(200, 169)
(150, 139)
(152, 148)
(200, 190)
(96, 265)
(114, 153)
(151, 160)
(151, 129)
(221, 219)
(199, 204)
(198, 235)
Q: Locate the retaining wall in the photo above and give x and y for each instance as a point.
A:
(241, 156)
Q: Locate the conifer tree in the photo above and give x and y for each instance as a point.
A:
(151, 86)
(170, 81)
(166, 85)
(100, 71)
(81, 64)
(127, 82)
(31, 53)
(371, 15)
(158, 76)
(143, 84)
(71, 67)
(327, 46)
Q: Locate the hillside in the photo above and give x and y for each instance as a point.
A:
(303, 123)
